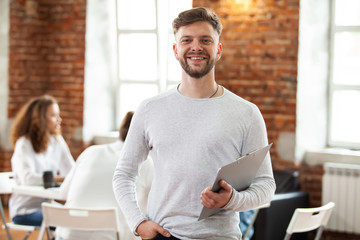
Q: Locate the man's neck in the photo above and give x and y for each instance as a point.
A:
(204, 87)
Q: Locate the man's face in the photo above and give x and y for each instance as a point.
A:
(197, 48)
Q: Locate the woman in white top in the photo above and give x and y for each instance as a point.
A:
(89, 185)
(38, 147)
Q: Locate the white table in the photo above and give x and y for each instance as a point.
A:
(39, 191)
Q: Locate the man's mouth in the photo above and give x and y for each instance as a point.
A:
(197, 58)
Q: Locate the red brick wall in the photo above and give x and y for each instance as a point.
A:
(259, 61)
(47, 56)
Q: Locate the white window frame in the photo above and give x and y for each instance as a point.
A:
(162, 82)
(332, 87)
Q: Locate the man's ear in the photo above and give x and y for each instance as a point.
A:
(219, 51)
(175, 51)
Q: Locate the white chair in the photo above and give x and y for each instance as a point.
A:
(6, 184)
(308, 219)
(81, 218)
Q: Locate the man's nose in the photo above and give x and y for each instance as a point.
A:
(196, 46)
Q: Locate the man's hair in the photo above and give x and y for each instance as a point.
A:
(199, 14)
(125, 125)
(31, 122)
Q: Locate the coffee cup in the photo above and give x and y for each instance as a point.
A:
(48, 179)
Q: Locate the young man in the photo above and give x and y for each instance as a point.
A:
(191, 131)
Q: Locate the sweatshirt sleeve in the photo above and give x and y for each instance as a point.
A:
(23, 163)
(134, 152)
(262, 189)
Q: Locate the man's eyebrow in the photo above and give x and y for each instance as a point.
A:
(192, 36)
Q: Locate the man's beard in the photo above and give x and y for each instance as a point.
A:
(197, 73)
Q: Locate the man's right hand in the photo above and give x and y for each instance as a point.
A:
(149, 229)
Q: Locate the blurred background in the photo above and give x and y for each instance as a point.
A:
(297, 60)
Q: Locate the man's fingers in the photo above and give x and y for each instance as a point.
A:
(163, 232)
(149, 229)
(225, 186)
(207, 202)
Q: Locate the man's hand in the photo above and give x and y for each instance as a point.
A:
(149, 229)
(213, 200)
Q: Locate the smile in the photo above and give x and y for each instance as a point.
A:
(197, 58)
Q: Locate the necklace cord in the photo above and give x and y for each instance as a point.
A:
(217, 88)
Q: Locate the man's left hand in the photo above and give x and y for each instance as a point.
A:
(213, 200)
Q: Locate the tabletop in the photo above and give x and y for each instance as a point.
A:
(39, 191)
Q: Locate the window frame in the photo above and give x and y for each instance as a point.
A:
(162, 81)
(333, 87)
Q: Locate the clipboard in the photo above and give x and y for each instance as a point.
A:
(239, 174)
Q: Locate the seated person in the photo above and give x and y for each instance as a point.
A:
(245, 220)
(38, 147)
(89, 185)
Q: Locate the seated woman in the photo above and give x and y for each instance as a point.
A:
(89, 185)
(38, 147)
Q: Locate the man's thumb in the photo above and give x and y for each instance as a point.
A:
(225, 185)
(163, 232)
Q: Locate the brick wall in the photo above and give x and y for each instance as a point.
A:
(259, 61)
(47, 56)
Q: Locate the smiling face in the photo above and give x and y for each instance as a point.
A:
(197, 48)
(53, 118)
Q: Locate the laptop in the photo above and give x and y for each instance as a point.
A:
(239, 174)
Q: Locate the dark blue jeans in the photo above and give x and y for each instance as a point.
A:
(161, 237)
(33, 219)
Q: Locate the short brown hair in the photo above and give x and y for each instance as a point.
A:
(198, 14)
(125, 125)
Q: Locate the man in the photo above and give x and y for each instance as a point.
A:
(191, 131)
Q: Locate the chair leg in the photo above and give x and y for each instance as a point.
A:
(248, 229)
(48, 233)
(319, 233)
(27, 235)
(41, 231)
(4, 220)
(287, 236)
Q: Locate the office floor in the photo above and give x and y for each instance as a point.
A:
(16, 235)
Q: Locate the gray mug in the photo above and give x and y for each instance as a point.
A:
(48, 179)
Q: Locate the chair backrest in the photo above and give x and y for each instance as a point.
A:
(81, 218)
(6, 182)
(308, 219)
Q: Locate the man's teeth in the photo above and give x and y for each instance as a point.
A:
(197, 58)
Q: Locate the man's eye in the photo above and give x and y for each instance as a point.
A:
(207, 41)
(185, 40)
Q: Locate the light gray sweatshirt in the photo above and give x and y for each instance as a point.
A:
(189, 140)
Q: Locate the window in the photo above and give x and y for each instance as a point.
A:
(146, 64)
(344, 87)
